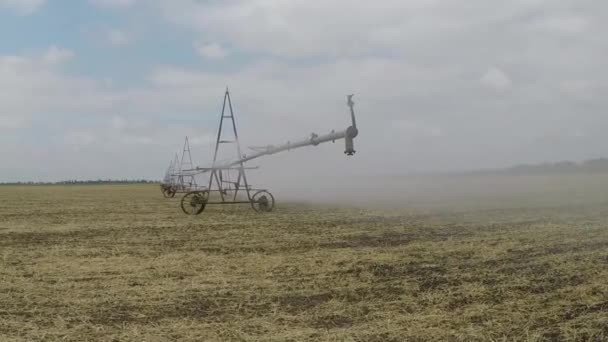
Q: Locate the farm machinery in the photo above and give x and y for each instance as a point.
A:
(228, 182)
(176, 180)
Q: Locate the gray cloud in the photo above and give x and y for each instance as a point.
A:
(441, 85)
(22, 7)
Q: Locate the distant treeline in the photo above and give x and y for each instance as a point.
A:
(590, 166)
(87, 182)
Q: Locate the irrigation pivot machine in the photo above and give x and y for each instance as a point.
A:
(177, 180)
(228, 180)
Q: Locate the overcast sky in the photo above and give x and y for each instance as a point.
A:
(110, 88)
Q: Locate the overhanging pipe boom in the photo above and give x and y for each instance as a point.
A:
(348, 135)
(314, 140)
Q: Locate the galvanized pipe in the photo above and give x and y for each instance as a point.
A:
(313, 140)
(348, 134)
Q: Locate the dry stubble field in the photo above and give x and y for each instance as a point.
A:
(120, 263)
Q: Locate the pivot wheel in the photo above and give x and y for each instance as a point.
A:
(262, 201)
(169, 191)
(194, 202)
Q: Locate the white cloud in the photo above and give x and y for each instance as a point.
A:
(12, 121)
(496, 78)
(339, 28)
(35, 85)
(136, 140)
(202, 140)
(79, 138)
(117, 37)
(22, 7)
(407, 62)
(211, 51)
(414, 130)
(295, 28)
(56, 55)
(565, 24)
(119, 123)
(113, 3)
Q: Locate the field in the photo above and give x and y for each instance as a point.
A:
(121, 263)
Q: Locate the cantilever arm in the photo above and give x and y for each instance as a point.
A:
(348, 134)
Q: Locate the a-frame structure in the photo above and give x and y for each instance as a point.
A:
(187, 181)
(168, 173)
(227, 181)
(228, 186)
(169, 185)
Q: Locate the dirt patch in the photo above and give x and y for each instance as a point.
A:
(299, 303)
